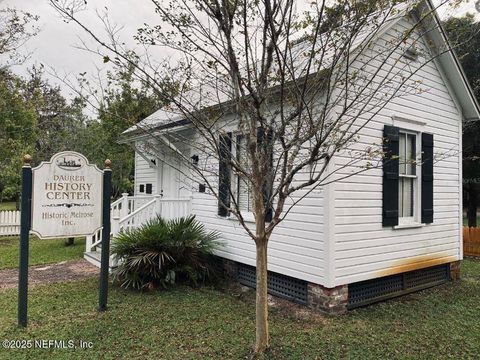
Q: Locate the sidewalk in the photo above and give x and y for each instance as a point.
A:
(51, 273)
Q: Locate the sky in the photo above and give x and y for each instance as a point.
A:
(56, 44)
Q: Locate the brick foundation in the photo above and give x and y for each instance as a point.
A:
(319, 298)
(331, 301)
(455, 270)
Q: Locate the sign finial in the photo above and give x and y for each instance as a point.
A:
(27, 159)
(107, 164)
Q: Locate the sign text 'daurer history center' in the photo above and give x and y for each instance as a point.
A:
(64, 197)
(67, 197)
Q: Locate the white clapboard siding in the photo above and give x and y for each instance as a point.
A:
(363, 248)
(296, 247)
(334, 235)
(9, 223)
(145, 173)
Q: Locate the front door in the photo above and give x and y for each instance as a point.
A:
(173, 184)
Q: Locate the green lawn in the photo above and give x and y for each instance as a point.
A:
(8, 206)
(465, 221)
(439, 323)
(40, 251)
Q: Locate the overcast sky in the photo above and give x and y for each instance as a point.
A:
(54, 46)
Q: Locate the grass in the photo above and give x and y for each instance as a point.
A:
(183, 323)
(40, 251)
(8, 206)
(465, 221)
(465, 218)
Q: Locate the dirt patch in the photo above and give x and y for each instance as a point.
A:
(52, 273)
(286, 308)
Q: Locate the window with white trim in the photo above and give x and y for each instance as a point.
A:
(408, 179)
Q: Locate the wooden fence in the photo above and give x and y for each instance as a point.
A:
(471, 241)
(9, 223)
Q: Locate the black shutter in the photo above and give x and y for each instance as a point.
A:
(390, 176)
(224, 156)
(148, 189)
(427, 178)
(267, 185)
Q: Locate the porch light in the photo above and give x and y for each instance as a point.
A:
(411, 53)
(194, 160)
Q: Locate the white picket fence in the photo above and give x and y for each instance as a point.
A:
(9, 223)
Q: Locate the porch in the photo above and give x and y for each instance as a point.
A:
(130, 212)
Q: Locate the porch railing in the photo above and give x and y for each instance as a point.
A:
(130, 212)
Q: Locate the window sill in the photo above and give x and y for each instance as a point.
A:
(409, 226)
(247, 217)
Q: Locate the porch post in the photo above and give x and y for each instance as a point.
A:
(189, 205)
(158, 205)
(88, 243)
(125, 210)
(115, 224)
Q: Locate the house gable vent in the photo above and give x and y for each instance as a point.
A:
(278, 285)
(370, 291)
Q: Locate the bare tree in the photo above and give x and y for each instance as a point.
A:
(273, 93)
(16, 28)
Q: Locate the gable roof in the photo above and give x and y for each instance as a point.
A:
(167, 117)
(453, 71)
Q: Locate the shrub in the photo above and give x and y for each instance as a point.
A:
(162, 253)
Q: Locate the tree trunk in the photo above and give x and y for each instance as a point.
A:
(472, 206)
(262, 337)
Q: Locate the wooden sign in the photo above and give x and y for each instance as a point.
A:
(66, 197)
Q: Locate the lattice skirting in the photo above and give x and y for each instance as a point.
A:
(279, 285)
(359, 294)
(370, 291)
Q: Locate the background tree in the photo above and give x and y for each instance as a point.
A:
(59, 121)
(464, 33)
(36, 119)
(16, 28)
(123, 103)
(295, 88)
(17, 133)
(17, 118)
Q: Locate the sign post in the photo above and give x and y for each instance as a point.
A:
(62, 198)
(105, 259)
(25, 221)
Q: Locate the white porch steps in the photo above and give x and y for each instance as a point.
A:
(130, 212)
(93, 257)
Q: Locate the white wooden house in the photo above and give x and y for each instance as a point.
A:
(367, 237)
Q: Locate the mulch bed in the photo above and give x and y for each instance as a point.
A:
(51, 273)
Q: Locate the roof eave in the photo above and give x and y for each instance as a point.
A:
(463, 91)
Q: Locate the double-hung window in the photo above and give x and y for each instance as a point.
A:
(234, 184)
(407, 188)
(408, 180)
